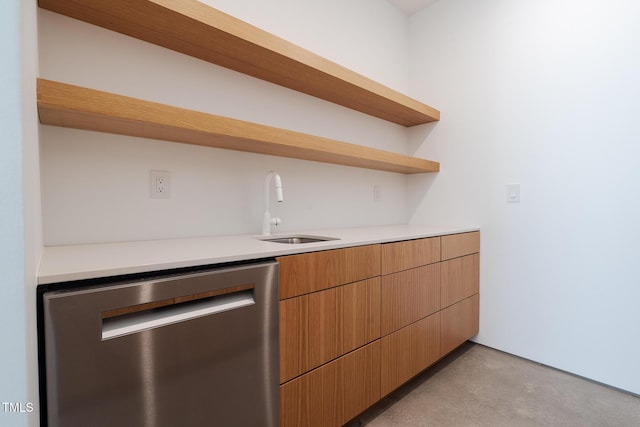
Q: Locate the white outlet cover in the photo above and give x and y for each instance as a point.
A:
(159, 184)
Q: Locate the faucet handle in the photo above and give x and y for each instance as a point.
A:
(267, 221)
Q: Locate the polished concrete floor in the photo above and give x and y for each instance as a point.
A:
(479, 386)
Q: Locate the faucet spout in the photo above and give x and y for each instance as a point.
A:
(267, 220)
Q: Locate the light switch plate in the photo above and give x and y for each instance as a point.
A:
(513, 193)
(377, 193)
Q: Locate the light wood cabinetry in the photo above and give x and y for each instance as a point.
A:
(460, 286)
(456, 245)
(459, 323)
(410, 318)
(318, 327)
(407, 254)
(357, 323)
(198, 30)
(460, 277)
(409, 351)
(329, 331)
(409, 296)
(359, 314)
(334, 393)
(305, 273)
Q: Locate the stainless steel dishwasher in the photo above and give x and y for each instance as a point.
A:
(198, 349)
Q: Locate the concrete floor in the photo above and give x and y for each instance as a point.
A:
(479, 386)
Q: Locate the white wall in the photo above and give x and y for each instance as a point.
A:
(13, 387)
(96, 186)
(543, 94)
(368, 37)
(20, 232)
(32, 211)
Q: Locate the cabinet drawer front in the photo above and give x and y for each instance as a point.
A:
(460, 278)
(456, 245)
(305, 273)
(312, 399)
(408, 296)
(360, 387)
(308, 332)
(407, 352)
(409, 254)
(334, 393)
(321, 326)
(459, 323)
(359, 314)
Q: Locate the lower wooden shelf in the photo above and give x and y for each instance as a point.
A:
(65, 105)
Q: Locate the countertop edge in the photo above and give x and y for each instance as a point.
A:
(92, 261)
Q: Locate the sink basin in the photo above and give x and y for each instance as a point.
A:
(297, 239)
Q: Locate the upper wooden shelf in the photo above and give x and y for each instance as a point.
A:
(65, 105)
(198, 30)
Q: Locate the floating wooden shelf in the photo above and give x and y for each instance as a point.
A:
(65, 105)
(198, 30)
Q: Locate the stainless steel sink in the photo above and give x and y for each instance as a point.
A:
(297, 239)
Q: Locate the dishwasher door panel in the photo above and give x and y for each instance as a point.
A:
(195, 350)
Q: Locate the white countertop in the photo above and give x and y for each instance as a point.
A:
(78, 262)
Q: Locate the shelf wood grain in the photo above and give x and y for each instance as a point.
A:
(60, 104)
(198, 30)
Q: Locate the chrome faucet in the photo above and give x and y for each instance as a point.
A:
(267, 220)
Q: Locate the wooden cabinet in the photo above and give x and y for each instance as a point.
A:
(400, 256)
(305, 273)
(334, 393)
(459, 323)
(456, 245)
(409, 296)
(460, 278)
(329, 331)
(410, 322)
(409, 351)
(318, 327)
(460, 286)
(357, 323)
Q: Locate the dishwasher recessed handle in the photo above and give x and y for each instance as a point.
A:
(131, 323)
